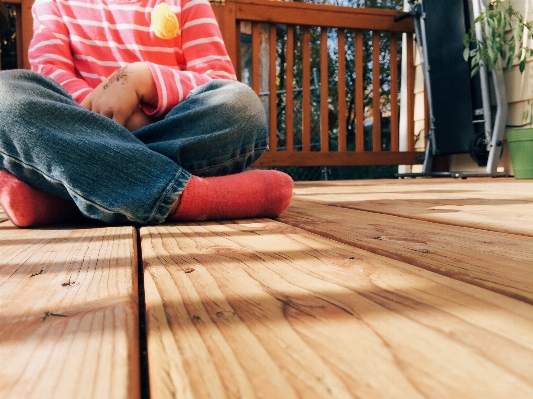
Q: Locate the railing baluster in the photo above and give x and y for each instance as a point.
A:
(359, 105)
(229, 27)
(376, 94)
(306, 95)
(426, 116)
(289, 99)
(341, 82)
(273, 89)
(256, 72)
(410, 77)
(393, 65)
(324, 117)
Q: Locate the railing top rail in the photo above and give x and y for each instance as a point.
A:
(297, 13)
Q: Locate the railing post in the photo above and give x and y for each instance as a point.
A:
(224, 11)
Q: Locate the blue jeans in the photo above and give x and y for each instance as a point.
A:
(113, 175)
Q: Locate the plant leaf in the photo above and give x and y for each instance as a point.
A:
(522, 65)
(509, 62)
(466, 54)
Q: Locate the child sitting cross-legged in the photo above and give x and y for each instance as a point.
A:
(132, 114)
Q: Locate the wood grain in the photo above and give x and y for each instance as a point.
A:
(260, 309)
(69, 316)
(504, 205)
(3, 215)
(497, 261)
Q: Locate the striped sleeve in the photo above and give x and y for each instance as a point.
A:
(204, 53)
(49, 52)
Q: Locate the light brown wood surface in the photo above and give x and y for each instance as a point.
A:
(504, 205)
(501, 262)
(374, 289)
(69, 315)
(261, 309)
(2, 214)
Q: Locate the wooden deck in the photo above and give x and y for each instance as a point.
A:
(362, 289)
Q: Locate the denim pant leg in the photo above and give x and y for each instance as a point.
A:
(54, 144)
(219, 129)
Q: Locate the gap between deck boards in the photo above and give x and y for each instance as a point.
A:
(143, 334)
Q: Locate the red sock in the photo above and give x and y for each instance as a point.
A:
(251, 194)
(27, 206)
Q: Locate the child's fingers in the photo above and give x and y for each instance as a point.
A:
(119, 118)
(87, 103)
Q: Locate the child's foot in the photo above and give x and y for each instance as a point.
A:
(27, 206)
(251, 194)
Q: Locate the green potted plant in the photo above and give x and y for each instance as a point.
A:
(505, 40)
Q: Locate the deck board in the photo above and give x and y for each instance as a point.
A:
(504, 205)
(501, 262)
(61, 340)
(264, 309)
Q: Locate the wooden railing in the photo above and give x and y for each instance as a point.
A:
(322, 20)
(311, 130)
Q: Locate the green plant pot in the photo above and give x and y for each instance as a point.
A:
(521, 149)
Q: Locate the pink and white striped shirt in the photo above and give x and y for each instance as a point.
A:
(79, 43)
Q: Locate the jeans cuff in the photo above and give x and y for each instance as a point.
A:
(170, 196)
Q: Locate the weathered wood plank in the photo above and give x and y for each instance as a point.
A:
(260, 309)
(504, 205)
(500, 262)
(69, 319)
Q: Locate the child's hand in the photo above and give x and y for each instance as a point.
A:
(119, 96)
(137, 120)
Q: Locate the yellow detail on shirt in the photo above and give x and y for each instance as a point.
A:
(164, 22)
